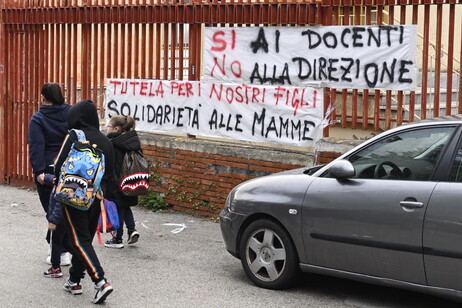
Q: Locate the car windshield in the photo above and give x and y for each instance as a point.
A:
(408, 155)
(416, 145)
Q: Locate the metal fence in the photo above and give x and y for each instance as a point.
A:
(80, 43)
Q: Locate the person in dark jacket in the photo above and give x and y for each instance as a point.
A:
(47, 130)
(81, 225)
(121, 131)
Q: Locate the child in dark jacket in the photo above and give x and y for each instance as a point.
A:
(58, 233)
(81, 225)
(121, 131)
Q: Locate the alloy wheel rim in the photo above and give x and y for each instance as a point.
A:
(265, 255)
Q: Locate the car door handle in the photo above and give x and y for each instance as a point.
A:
(411, 204)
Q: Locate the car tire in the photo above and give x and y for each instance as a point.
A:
(268, 255)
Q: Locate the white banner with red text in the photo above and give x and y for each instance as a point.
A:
(257, 113)
(350, 57)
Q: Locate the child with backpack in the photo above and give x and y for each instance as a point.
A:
(121, 132)
(81, 223)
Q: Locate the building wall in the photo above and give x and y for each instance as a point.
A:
(196, 175)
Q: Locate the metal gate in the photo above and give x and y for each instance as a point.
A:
(80, 43)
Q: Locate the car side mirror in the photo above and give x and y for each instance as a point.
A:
(342, 169)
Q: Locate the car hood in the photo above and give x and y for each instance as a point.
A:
(291, 171)
(282, 190)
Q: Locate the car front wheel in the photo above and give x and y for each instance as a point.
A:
(268, 255)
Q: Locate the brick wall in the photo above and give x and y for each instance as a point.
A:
(195, 176)
(324, 157)
(329, 149)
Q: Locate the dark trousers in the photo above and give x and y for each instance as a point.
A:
(125, 216)
(81, 228)
(44, 192)
(57, 245)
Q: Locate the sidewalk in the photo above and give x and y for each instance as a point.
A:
(189, 268)
(158, 271)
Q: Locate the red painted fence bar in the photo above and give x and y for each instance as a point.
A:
(81, 43)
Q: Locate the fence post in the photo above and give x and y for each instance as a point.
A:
(2, 97)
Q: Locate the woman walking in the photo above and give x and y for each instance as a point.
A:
(47, 130)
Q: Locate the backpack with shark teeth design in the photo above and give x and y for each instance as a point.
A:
(81, 173)
(134, 174)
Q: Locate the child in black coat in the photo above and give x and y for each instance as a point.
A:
(81, 225)
(121, 132)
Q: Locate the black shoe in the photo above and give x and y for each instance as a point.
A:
(74, 287)
(114, 243)
(133, 237)
(53, 273)
(103, 289)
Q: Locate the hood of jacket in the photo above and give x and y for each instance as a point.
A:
(83, 115)
(55, 112)
(128, 141)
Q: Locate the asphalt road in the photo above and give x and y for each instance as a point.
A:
(190, 268)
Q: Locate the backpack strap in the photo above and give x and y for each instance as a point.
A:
(101, 223)
(60, 150)
(80, 134)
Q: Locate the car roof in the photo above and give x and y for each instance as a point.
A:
(445, 118)
(454, 119)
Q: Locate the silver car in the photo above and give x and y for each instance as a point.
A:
(388, 212)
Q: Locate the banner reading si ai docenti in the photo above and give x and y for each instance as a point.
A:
(353, 57)
(259, 113)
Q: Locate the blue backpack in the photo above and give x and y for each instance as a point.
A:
(108, 219)
(81, 173)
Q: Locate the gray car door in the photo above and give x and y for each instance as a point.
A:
(442, 235)
(372, 223)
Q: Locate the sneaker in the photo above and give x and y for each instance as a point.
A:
(74, 287)
(133, 237)
(103, 289)
(53, 273)
(114, 243)
(65, 259)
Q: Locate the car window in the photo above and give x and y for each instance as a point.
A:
(410, 155)
(456, 171)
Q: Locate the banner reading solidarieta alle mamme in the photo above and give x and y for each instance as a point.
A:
(277, 114)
